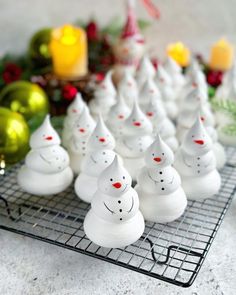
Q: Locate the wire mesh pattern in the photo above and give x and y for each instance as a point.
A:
(172, 252)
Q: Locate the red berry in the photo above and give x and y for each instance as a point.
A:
(69, 92)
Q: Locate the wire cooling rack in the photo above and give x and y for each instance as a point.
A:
(172, 252)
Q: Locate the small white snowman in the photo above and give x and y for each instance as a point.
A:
(127, 87)
(161, 196)
(196, 163)
(149, 92)
(104, 97)
(77, 145)
(74, 111)
(145, 71)
(114, 219)
(98, 157)
(164, 83)
(136, 137)
(162, 125)
(117, 115)
(46, 170)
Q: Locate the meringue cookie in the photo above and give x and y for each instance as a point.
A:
(46, 170)
(145, 71)
(175, 72)
(148, 92)
(114, 210)
(128, 88)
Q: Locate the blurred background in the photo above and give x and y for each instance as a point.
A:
(196, 23)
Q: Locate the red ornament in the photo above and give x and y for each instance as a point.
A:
(214, 78)
(92, 31)
(11, 73)
(69, 92)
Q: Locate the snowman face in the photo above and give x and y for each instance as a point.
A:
(155, 110)
(76, 107)
(195, 98)
(172, 67)
(149, 91)
(120, 111)
(114, 180)
(163, 77)
(159, 155)
(101, 138)
(44, 136)
(127, 83)
(106, 87)
(197, 140)
(137, 123)
(206, 116)
(129, 49)
(146, 68)
(84, 125)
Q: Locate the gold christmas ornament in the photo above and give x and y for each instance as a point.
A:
(14, 137)
(27, 99)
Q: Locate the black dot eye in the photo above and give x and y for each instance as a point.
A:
(104, 153)
(192, 135)
(123, 177)
(96, 136)
(163, 154)
(153, 155)
(111, 179)
(133, 120)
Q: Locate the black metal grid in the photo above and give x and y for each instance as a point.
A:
(172, 252)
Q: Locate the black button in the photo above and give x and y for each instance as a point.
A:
(120, 210)
(160, 172)
(119, 201)
(198, 158)
(198, 171)
(162, 189)
(120, 218)
(198, 165)
(162, 180)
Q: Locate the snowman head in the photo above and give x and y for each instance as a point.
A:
(162, 77)
(106, 87)
(172, 67)
(197, 141)
(198, 80)
(114, 180)
(137, 123)
(159, 155)
(45, 135)
(77, 106)
(129, 49)
(195, 98)
(128, 84)
(120, 111)
(84, 125)
(101, 138)
(149, 91)
(146, 68)
(155, 110)
(206, 115)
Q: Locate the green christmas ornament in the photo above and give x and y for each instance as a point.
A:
(14, 137)
(26, 98)
(39, 51)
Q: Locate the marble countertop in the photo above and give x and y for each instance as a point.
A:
(31, 267)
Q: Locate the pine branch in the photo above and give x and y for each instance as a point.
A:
(230, 129)
(226, 106)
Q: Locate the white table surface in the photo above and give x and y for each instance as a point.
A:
(31, 267)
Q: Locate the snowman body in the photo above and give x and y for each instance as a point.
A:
(114, 210)
(137, 136)
(77, 145)
(99, 156)
(46, 170)
(74, 111)
(161, 196)
(196, 163)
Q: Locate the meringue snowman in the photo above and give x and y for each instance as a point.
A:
(148, 92)
(77, 145)
(117, 115)
(104, 97)
(99, 156)
(175, 72)
(196, 163)
(127, 87)
(114, 220)
(164, 83)
(46, 170)
(162, 125)
(74, 111)
(145, 71)
(136, 137)
(161, 196)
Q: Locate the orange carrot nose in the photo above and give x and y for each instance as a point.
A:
(157, 159)
(82, 130)
(104, 86)
(130, 84)
(199, 141)
(117, 184)
(102, 139)
(149, 114)
(202, 119)
(194, 84)
(151, 91)
(48, 138)
(74, 111)
(137, 124)
(121, 117)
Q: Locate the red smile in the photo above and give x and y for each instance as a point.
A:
(199, 141)
(117, 185)
(82, 130)
(157, 159)
(101, 139)
(149, 114)
(137, 124)
(121, 117)
(48, 138)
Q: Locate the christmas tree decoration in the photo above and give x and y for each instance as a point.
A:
(180, 53)
(27, 99)
(39, 51)
(14, 136)
(161, 196)
(46, 170)
(114, 219)
(196, 164)
(69, 92)
(222, 55)
(11, 73)
(68, 48)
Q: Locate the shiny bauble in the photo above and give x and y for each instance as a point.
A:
(14, 136)
(26, 98)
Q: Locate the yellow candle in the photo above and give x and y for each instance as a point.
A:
(69, 52)
(222, 54)
(180, 53)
